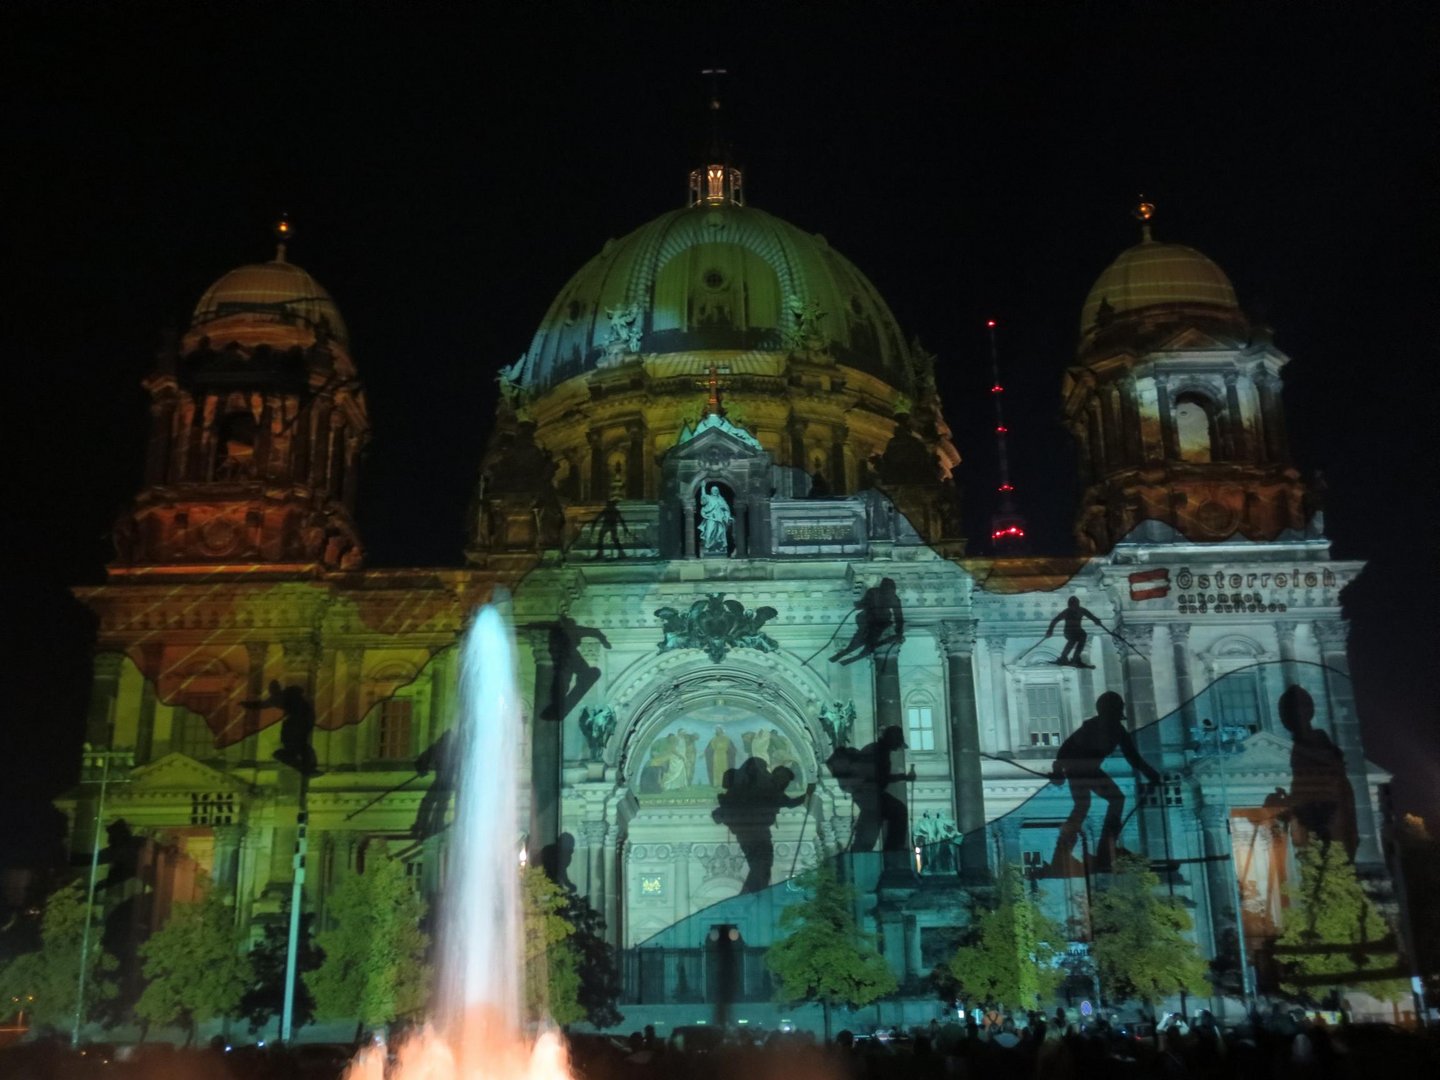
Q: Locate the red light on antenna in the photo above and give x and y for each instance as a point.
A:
(1006, 487)
(990, 323)
(1001, 429)
(1013, 530)
(997, 389)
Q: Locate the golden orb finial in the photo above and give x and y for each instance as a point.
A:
(283, 232)
(1144, 213)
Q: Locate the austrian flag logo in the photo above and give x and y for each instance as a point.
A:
(1149, 584)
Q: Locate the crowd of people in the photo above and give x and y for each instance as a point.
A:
(1004, 1046)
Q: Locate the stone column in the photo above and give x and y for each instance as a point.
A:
(320, 443)
(1184, 685)
(838, 484)
(957, 646)
(599, 476)
(1345, 723)
(545, 749)
(1169, 449)
(1100, 448)
(1285, 635)
(614, 883)
(1236, 447)
(227, 852)
(914, 966)
(157, 449)
(999, 691)
(594, 834)
(1141, 713)
(344, 742)
(635, 463)
(1272, 416)
(1139, 679)
(351, 485)
(1220, 879)
(1130, 418)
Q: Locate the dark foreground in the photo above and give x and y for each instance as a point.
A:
(1309, 1051)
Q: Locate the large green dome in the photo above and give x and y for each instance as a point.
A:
(715, 277)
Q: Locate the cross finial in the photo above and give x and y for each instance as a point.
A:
(712, 383)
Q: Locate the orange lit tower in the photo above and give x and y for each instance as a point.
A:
(257, 425)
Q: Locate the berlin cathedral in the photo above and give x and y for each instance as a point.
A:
(719, 507)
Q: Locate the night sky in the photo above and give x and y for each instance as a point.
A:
(447, 174)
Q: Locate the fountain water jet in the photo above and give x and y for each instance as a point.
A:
(475, 1029)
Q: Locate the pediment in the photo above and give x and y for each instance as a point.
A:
(176, 773)
(1263, 753)
(712, 434)
(1192, 338)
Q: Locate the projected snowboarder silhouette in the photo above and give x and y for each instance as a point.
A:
(1079, 761)
(1075, 636)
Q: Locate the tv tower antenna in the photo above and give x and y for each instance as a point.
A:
(1007, 526)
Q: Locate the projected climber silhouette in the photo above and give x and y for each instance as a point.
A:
(295, 727)
(879, 621)
(1078, 761)
(440, 758)
(868, 777)
(1321, 802)
(572, 676)
(752, 798)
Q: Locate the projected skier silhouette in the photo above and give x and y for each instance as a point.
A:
(1075, 637)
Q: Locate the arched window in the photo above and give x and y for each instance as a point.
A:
(235, 446)
(1194, 428)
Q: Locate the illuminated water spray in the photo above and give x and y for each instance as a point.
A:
(475, 1029)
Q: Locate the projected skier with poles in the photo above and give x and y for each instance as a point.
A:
(1079, 761)
(1073, 654)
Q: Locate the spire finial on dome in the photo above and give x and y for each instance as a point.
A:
(718, 182)
(1144, 212)
(283, 232)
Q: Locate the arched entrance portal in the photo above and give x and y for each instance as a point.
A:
(719, 773)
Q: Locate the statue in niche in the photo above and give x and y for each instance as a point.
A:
(838, 718)
(715, 522)
(597, 725)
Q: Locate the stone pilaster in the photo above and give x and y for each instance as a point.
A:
(1345, 721)
(957, 646)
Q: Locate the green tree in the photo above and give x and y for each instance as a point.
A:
(822, 955)
(552, 966)
(265, 998)
(45, 983)
(1332, 931)
(598, 969)
(1140, 944)
(195, 966)
(1015, 950)
(374, 968)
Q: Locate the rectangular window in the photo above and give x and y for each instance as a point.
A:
(190, 734)
(1042, 714)
(394, 730)
(920, 728)
(1237, 698)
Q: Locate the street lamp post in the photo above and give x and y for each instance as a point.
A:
(94, 759)
(1228, 739)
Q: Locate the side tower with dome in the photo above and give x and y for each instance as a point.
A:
(257, 426)
(1174, 398)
